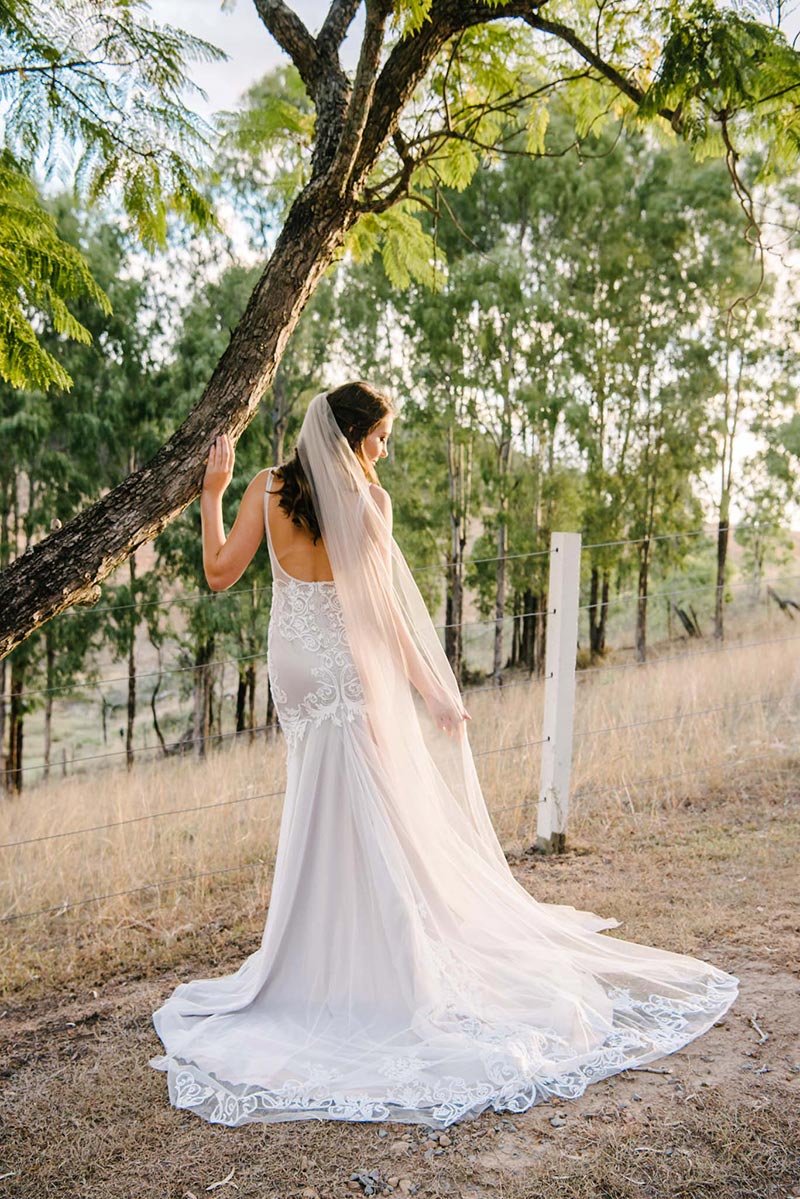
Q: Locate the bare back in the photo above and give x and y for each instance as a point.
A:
(294, 549)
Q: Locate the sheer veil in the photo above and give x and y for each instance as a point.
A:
(404, 972)
(393, 641)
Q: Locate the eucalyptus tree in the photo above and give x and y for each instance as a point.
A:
(63, 451)
(435, 80)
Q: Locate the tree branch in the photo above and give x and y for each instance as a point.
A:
(609, 72)
(335, 25)
(292, 36)
(358, 108)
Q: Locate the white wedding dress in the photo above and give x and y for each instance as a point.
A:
(404, 974)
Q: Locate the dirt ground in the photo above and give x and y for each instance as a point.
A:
(84, 1115)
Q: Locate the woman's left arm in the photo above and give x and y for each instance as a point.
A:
(225, 559)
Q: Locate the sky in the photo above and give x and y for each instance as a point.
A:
(252, 51)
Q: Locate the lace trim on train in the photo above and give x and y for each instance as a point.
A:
(520, 1066)
(311, 614)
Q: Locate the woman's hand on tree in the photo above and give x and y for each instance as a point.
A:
(219, 465)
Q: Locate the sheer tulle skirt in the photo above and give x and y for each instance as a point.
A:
(386, 990)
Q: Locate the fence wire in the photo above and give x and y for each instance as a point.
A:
(653, 595)
(497, 686)
(591, 792)
(699, 653)
(60, 908)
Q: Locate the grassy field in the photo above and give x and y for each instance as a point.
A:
(704, 861)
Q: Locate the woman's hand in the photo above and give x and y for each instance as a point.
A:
(219, 467)
(447, 712)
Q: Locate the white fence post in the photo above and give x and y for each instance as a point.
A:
(559, 693)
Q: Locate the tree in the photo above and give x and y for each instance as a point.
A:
(492, 66)
(98, 77)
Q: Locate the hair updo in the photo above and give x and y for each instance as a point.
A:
(357, 408)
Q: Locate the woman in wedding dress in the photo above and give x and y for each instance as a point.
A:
(403, 973)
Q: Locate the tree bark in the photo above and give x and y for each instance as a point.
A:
(153, 709)
(16, 721)
(251, 700)
(594, 612)
(50, 663)
(499, 597)
(241, 698)
(131, 712)
(601, 635)
(66, 567)
(504, 462)
(2, 722)
(723, 535)
(459, 474)
(641, 606)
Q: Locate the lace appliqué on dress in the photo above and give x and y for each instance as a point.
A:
(519, 1065)
(310, 615)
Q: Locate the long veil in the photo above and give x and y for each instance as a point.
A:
(392, 639)
(404, 972)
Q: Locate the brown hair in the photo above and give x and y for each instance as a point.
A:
(357, 408)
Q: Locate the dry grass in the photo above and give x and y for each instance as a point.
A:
(753, 743)
(85, 1116)
(704, 862)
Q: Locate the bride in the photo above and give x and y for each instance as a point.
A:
(403, 974)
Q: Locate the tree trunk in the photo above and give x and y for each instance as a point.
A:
(353, 122)
(153, 709)
(641, 606)
(251, 700)
(2, 722)
(540, 654)
(201, 717)
(131, 714)
(528, 639)
(594, 612)
(272, 715)
(241, 699)
(601, 633)
(459, 470)
(723, 534)
(499, 599)
(516, 631)
(16, 719)
(50, 659)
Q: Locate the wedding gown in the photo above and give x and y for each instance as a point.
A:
(404, 974)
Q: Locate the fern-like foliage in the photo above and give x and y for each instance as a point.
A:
(39, 274)
(92, 88)
(729, 75)
(407, 250)
(91, 92)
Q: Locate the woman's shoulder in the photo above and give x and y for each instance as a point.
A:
(381, 497)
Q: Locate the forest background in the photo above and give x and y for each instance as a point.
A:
(582, 332)
(563, 235)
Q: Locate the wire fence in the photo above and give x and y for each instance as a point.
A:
(497, 686)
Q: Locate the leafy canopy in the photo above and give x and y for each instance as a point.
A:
(91, 93)
(723, 81)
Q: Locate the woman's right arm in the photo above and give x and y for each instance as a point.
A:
(225, 559)
(448, 712)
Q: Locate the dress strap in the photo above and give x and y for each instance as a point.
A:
(277, 569)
